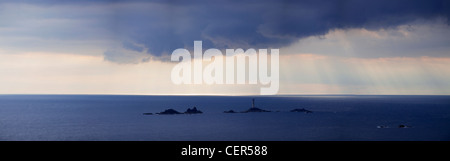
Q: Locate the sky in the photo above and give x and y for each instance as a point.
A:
(124, 47)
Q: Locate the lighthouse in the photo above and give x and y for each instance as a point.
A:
(253, 103)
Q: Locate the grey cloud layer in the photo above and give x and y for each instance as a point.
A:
(167, 26)
(162, 26)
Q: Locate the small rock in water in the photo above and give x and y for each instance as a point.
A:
(301, 110)
(229, 111)
(403, 126)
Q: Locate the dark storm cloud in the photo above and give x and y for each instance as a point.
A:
(256, 24)
(162, 26)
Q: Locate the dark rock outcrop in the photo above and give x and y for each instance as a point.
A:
(147, 113)
(254, 109)
(169, 112)
(403, 126)
(193, 111)
(301, 110)
(229, 111)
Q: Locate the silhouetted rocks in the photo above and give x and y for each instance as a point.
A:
(193, 111)
(254, 109)
(301, 110)
(172, 111)
(229, 111)
(169, 112)
(403, 126)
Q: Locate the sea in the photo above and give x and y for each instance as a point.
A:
(121, 118)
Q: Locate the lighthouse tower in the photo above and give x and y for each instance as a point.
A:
(253, 103)
(254, 108)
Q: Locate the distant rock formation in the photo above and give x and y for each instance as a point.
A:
(169, 112)
(229, 111)
(254, 108)
(403, 126)
(301, 110)
(172, 111)
(193, 111)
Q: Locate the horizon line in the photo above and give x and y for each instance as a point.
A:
(134, 94)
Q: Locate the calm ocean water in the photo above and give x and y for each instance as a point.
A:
(115, 117)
